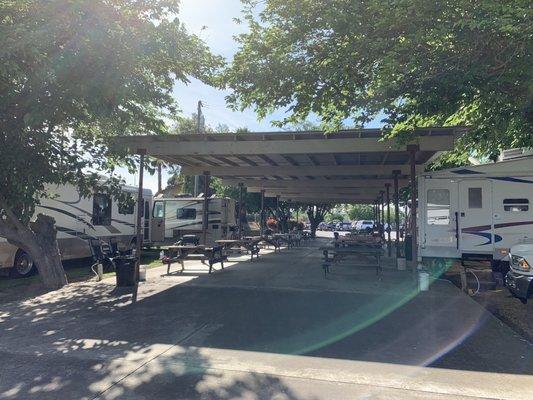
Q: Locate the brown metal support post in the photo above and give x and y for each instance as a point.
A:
(382, 205)
(387, 186)
(241, 197)
(413, 149)
(377, 212)
(262, 218)
(396, 200)
(140, 208)
(205, 225)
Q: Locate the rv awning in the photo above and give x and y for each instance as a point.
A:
(348, 166)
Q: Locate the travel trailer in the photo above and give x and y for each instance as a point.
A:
(177, 216)
(79, 219)
(476, 213)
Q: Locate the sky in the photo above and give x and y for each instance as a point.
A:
(213, 21)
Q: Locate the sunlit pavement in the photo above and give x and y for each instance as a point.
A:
(271, 329)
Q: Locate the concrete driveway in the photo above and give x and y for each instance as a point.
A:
(271, 329)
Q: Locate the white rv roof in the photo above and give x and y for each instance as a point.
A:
(515, 167)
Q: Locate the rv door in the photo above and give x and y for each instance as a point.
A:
(158, 222)
(439, 239)
(475, 218)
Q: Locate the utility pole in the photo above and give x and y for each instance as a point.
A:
(198, 131)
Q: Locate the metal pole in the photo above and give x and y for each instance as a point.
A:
(278, 219)
(159, 178)
(198, 130)
(396, 200)
(387, 186)
(262, 220)
(241, 197)
(382, 204)
(140, 208)
(413, 149)
(205, 225)
(376, 214)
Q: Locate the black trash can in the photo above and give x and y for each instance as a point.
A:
(408, 247)
(125, 270)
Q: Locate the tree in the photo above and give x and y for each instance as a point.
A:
(357, 212)
(316, 214)
(73, 74)
(418, 62)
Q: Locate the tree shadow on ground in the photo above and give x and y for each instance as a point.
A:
(90, 341)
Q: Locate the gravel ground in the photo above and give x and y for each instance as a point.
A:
(509, 310)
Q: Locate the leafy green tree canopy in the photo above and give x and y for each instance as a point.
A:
(72, 75)
(420, 62)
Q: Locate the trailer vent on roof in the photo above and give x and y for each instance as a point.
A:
(515, 153)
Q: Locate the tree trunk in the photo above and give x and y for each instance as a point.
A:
(49, 265)
(39, 241)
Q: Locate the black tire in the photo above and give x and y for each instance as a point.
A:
(24, 265)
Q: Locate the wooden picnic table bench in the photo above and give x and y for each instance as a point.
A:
(286, 238)
(269, 240)
(335, 254)
(250, 244)
(180, 253)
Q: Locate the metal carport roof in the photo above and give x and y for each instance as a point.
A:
(350, 165)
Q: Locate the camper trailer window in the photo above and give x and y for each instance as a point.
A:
(438, 207)
(126, 207)
(186, 213)
(101, 209)
(516, 205)
(475, 198)
(159, 209)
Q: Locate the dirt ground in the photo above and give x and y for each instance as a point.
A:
(76, 270)
(503, 305)
(509, 310)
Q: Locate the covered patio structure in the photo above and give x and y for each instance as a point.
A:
(351, 166)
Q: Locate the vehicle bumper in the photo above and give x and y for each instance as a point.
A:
(518, 284)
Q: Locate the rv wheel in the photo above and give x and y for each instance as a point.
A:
(24, 265)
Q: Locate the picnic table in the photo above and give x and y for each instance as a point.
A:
(251, 244)
(357, 240)
(286, 238)
(270, 240)
(180, 253)
(335, 254)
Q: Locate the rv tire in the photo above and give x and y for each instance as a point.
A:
(24, 265)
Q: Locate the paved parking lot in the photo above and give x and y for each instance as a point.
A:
(274, 328)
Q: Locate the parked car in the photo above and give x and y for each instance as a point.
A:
(344, 226)
(365, 225)
(519, 279)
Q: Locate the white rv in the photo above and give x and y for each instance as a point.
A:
(476, 212)
(79, 219)
(174, 217)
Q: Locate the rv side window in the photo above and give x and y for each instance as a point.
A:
(438, 207)
(475, 199)
(101, 209)
(186, 213)
(516, 205)
(159, 209)
(126, 207)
